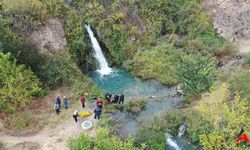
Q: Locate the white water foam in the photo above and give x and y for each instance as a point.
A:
(171, 142)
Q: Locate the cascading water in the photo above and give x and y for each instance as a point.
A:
(182, 129)
(103, 67)
(171, 142)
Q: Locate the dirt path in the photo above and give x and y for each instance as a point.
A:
(55, 134)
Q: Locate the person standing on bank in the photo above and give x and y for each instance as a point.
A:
(83, 98)
(100, 103)
(97, 112)
(75, 115)
(57, 108)
(121, 100)
(58, 101)
(65, 102)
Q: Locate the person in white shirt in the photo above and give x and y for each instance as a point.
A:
(75, 115)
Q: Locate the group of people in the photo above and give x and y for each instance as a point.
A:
(58, 103)
(117, 98)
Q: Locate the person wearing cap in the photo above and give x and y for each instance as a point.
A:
(65, 102)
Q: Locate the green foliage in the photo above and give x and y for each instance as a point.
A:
(18, 85)
(152, 139)
(23, 51)
(78, 40)
(196, 73)
(33, 10)
(2, 146)
(248, 58)
(226, 119)
(135, 107)
(103, 141)
(240, 83)
(20, 121)
(59, 70)
(158, 63)
(152, 133)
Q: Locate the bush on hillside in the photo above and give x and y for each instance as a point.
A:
(241, 83)
(103, 141)
(23, 51)
(226, 117)
(18, 85)
(157, 63)
(60, 70)
(196, 73)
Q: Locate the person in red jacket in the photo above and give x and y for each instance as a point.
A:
(99, 103)
(83, 98)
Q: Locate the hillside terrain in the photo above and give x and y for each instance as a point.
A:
(183, 66)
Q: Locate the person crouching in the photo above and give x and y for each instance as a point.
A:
(75, 115)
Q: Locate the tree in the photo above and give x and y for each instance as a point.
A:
(196, 73)
(226, 116)
(17, 84)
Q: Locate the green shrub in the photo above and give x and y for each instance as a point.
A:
(135, 107)
(103, 141)
(18, 85)
(115, 107)
(152, 139)
(196, 73)
(59, 70)
(23, 51)
(2, 146)
(248, 59)
(158, 63)
(241, 83)
(20, 121)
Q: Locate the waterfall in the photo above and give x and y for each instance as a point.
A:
(171, 142)
(182, 129)
(103, 67)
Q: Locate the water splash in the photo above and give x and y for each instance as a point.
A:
(103, 67)
(182, 130)
(171, 142)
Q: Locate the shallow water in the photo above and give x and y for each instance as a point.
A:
(122, 81)
(160, 100)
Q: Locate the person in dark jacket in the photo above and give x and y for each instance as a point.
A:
(121, 99)
(65, 102)
(57, 108)
(97, 112)
(58, 101)
(108, 97)
(116, 98)
(219, 64)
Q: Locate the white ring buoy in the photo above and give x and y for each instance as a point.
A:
(87, 125)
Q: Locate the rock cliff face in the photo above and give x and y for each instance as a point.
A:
(231, 18)
(50, 37)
